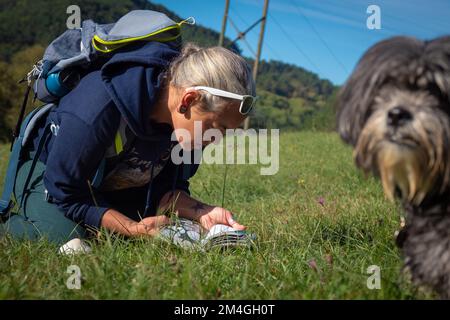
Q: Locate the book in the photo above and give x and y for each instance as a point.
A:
(189, 234)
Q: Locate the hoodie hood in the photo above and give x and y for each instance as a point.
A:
(133, 77)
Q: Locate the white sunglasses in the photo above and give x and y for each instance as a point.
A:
(247, 101)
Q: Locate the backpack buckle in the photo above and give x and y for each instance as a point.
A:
(47, 196)
(54, 128)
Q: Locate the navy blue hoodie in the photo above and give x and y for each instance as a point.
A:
(126, 87)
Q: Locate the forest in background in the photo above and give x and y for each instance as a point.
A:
(290, 97)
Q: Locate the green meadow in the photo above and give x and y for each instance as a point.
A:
(320, 224)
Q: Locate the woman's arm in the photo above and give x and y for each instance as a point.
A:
(187, 207)
(183, 204)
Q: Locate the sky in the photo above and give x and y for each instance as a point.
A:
(325, 36)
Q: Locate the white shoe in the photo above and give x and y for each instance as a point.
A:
(75, 246)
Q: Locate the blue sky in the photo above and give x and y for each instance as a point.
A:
(324, 36)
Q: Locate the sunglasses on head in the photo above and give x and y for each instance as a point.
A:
(247, 101)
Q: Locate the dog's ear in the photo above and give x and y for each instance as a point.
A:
(438, 62)
(379, 66)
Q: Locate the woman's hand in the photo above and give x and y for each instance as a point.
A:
(117, 222)
(150, 226)
(218, 215)
(187, 207)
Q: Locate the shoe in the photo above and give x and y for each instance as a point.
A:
(75, 246)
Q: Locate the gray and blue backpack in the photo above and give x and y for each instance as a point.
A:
(66, 60)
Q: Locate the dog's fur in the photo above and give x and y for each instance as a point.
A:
(408, 148)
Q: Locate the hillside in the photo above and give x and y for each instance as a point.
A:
(290, 96)
(27, 22)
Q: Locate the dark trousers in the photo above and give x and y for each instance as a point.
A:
(38, 218)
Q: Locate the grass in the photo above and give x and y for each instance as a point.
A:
(320, 225)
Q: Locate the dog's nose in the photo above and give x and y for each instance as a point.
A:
(398, 116)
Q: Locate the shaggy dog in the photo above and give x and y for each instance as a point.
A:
(395, 111)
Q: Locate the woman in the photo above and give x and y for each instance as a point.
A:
(148, 92)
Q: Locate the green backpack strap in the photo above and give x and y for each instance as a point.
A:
(120, 141)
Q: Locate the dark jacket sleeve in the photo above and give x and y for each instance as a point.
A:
(74, 158)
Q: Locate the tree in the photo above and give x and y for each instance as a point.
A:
(11, 92)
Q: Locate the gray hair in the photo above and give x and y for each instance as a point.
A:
(215, 67)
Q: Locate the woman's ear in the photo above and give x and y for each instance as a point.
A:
(187, 100)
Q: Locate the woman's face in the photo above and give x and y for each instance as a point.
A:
(191, 125)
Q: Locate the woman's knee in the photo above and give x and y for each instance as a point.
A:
(57, 231)
(36, 217)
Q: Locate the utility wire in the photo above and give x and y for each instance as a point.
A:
(266, 43)
(274, 52)
(236, 13)
(242, 37)
(288, 36)
(319, 36)
(279, 79)
(243, 33)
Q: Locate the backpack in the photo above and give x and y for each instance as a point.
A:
(66, 60)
